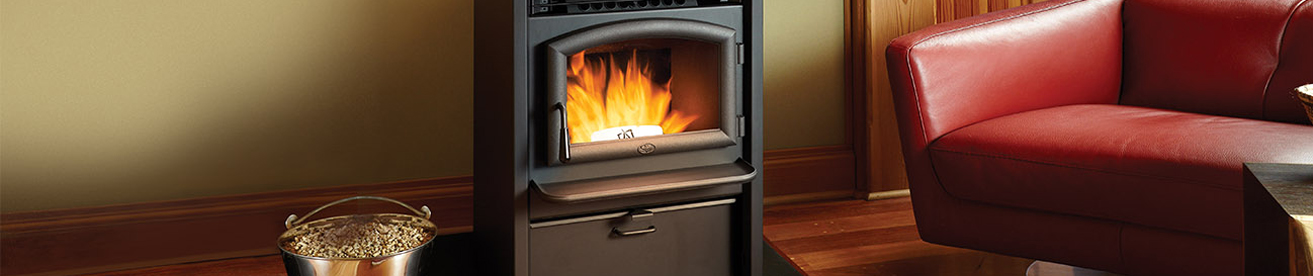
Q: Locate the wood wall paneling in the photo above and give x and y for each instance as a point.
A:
(887, 19)
(995, 5)
(948, 10)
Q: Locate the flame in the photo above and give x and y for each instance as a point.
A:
(600, 95)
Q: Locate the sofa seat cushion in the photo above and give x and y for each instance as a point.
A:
(1151, 167)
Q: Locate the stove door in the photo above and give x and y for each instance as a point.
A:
(641, 87)
(694, 239)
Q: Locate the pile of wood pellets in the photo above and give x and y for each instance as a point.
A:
(359, 237)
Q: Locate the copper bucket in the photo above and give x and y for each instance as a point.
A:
(407, 261)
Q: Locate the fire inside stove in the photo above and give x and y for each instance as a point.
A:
(631, 90)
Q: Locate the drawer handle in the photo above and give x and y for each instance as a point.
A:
(648, 230)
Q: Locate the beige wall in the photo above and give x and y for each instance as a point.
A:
(118, 101)
(804, 73)
(122, 101)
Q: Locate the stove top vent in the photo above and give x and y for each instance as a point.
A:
(563, 7)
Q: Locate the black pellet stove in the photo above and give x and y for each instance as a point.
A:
(618, 137)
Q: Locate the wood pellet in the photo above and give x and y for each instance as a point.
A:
(359, 237)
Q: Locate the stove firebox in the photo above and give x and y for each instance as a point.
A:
(618, 137)
(668, 79)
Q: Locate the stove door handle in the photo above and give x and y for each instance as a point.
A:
(646, 183)
(565, 134)
(648, 230)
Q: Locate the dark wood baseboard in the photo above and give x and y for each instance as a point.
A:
(108, 238)
(809, 171)
(804, 198)
(137, 235)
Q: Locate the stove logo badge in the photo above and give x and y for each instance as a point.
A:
(646, 148)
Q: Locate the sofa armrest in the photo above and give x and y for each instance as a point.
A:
(951, 75)
(1041, 55)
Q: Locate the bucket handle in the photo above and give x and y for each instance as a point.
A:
(292, 220)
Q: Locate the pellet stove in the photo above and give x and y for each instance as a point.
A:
(618, 137)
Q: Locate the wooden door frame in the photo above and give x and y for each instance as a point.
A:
(856, 90)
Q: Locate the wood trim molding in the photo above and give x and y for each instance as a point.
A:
(807, 197)
(889, 194)
(856, 49)
(809, 170)
(126, 236)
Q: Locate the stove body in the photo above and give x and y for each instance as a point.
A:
(618, 137)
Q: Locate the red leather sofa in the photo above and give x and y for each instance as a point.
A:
(1106, 134)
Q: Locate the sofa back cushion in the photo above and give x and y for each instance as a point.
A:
(1209, 56)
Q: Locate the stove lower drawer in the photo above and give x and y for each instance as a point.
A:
(690, 239)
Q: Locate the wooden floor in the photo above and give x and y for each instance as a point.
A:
(852, 237)
(856, 237)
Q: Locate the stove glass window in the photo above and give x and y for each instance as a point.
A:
(642, 88)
